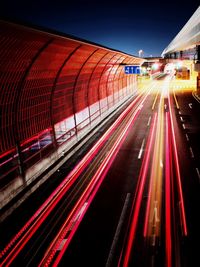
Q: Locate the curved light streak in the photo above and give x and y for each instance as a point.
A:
(138, 197)
(188, 37)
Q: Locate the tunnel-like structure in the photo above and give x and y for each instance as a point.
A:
(187, 39)
(53, 90)
(186, 47)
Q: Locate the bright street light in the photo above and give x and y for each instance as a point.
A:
(140, 52)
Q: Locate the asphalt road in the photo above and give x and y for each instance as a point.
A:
(134, 201)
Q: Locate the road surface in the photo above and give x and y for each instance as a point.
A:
(131, 200)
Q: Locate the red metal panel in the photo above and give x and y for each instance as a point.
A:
(112, 77)
(104, 76)
(63, 95)
(47, 80)
(123, 78)
(59, 87)
(35, 98)
(93, 90)
(81, 84)
(16, 55)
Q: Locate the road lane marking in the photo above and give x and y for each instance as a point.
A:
(80, 212)
(198, 173)
(190, 105)
(62, 244)
(179, 112)
(177, 167)
(187, 137)
(161, 163)
(118, 230)
(149, 121)
(195, 96)
(154, 102)
(153, 241)
(176, 101)
(181, 118)
(155, 218)
(140, 106)
(191, 152)
(183, 126)
(141, 149)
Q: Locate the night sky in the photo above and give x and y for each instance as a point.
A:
(126, 25)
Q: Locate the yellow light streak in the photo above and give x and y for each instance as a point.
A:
(175, 99)
(155, 100)
(156, 177)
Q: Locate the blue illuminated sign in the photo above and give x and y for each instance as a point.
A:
(132, 69)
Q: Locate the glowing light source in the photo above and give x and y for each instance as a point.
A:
(143, 70)
(155, 66)
(179, 64)
(140, 52)
(169, 68)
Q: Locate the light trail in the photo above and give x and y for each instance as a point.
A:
(153, 216)
(168, 174)
(154, 103)
(149, 120)
(141, 149)
(15, 246)
(23, 236)
(177, 168)
(155, 147)
(50, 254)
(154, 203)
(175, 99)
(126, 251)
(70, 226)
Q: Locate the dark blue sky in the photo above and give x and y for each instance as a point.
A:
(126, 25)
